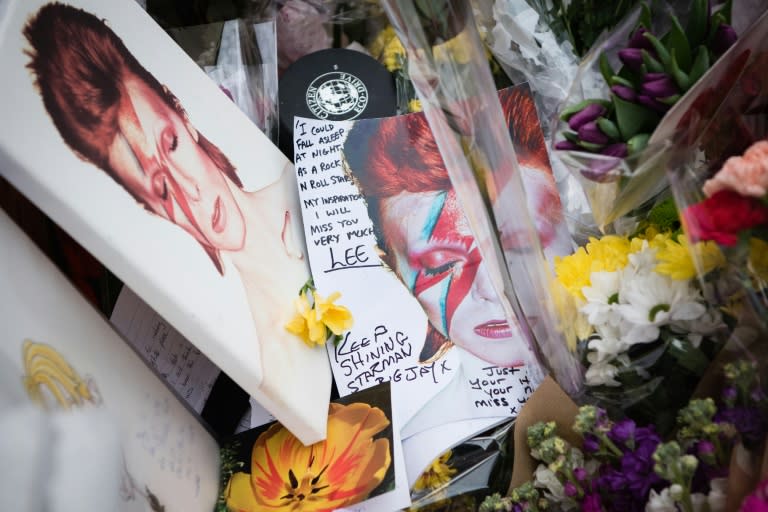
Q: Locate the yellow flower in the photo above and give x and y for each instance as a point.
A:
(677, 258)
(459, 48)
(311, 323)
(570, 321)
(388, 49)
(414, 105)
(758, 258)
(337, 318)
(609, 253)
(437, 474)
(305, 323)
(340, 471)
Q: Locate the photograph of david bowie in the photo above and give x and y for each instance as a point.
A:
(114, 114)
(424, 237)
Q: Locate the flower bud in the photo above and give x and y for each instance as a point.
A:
(659, 87)
(587, 114)
(566, 145)
(618, 150)
(725, 36)
(652, 103)
(591, 133)
(570, 489)
(638, 40)
(632, 58)
(624, 92)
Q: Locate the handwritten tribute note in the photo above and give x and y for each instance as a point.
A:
(177, 361)
(390, 326)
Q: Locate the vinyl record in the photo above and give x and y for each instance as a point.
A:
(334, 84)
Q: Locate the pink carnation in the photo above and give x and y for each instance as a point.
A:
(746, 175)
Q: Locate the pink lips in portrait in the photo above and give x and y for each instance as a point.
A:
(219, 218)
(494, 329)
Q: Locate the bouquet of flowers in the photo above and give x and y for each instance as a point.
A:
(622, 93)
(636, 317)
(622, 465)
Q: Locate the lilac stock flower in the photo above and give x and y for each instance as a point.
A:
(580, 474)
(723, 39)
(591, 443)
(632, 58)
(748, 421)
(705, 448)
(591, 503)
(590, 132)
(729, 395)
(570, 489)
(624, 92)
(657, 86)
(586, 115)
(622, 431)
(618, 150)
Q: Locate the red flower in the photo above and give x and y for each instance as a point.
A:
(723, 216)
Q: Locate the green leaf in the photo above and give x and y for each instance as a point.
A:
(700, 65)
(645, 16)
(678, 43)
(617, 80)
(669, 100)
(697, 23)
(637, 143)
(605, 68)
(651, 64)
(681, 78)
(632, 118)
(688, 356)
(578, 107)
(609, 128)
(661, 50)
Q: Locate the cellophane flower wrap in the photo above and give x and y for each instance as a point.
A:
(720, 181)
(620, 98)
(451, 75)
(634, 312)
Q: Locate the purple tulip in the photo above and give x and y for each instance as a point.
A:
(723, 39)
(588, 114)
(590, 132)
(624, 92)
(639, 41)
(632, 58)
(566, 145)
(659, 88)
(618, 150)
(652, 103)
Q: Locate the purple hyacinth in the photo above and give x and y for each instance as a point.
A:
(725, 36)
(590, 132)
(586, 115)
(624, 92)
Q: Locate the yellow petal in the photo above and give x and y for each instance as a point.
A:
(338, 319)
(239, 494)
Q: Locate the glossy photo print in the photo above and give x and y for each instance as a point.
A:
(425, 238)
(124, 142)
(267, 468)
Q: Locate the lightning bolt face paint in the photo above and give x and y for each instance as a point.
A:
(436, 256)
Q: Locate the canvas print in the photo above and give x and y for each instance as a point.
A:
(267, 468)
(66, 357)
(129, 146)
(424, 236)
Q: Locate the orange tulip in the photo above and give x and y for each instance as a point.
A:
(342, 470)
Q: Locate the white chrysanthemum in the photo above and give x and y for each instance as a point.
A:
(695, 330)
(652, 300)
(660, 502)
(602, 297)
